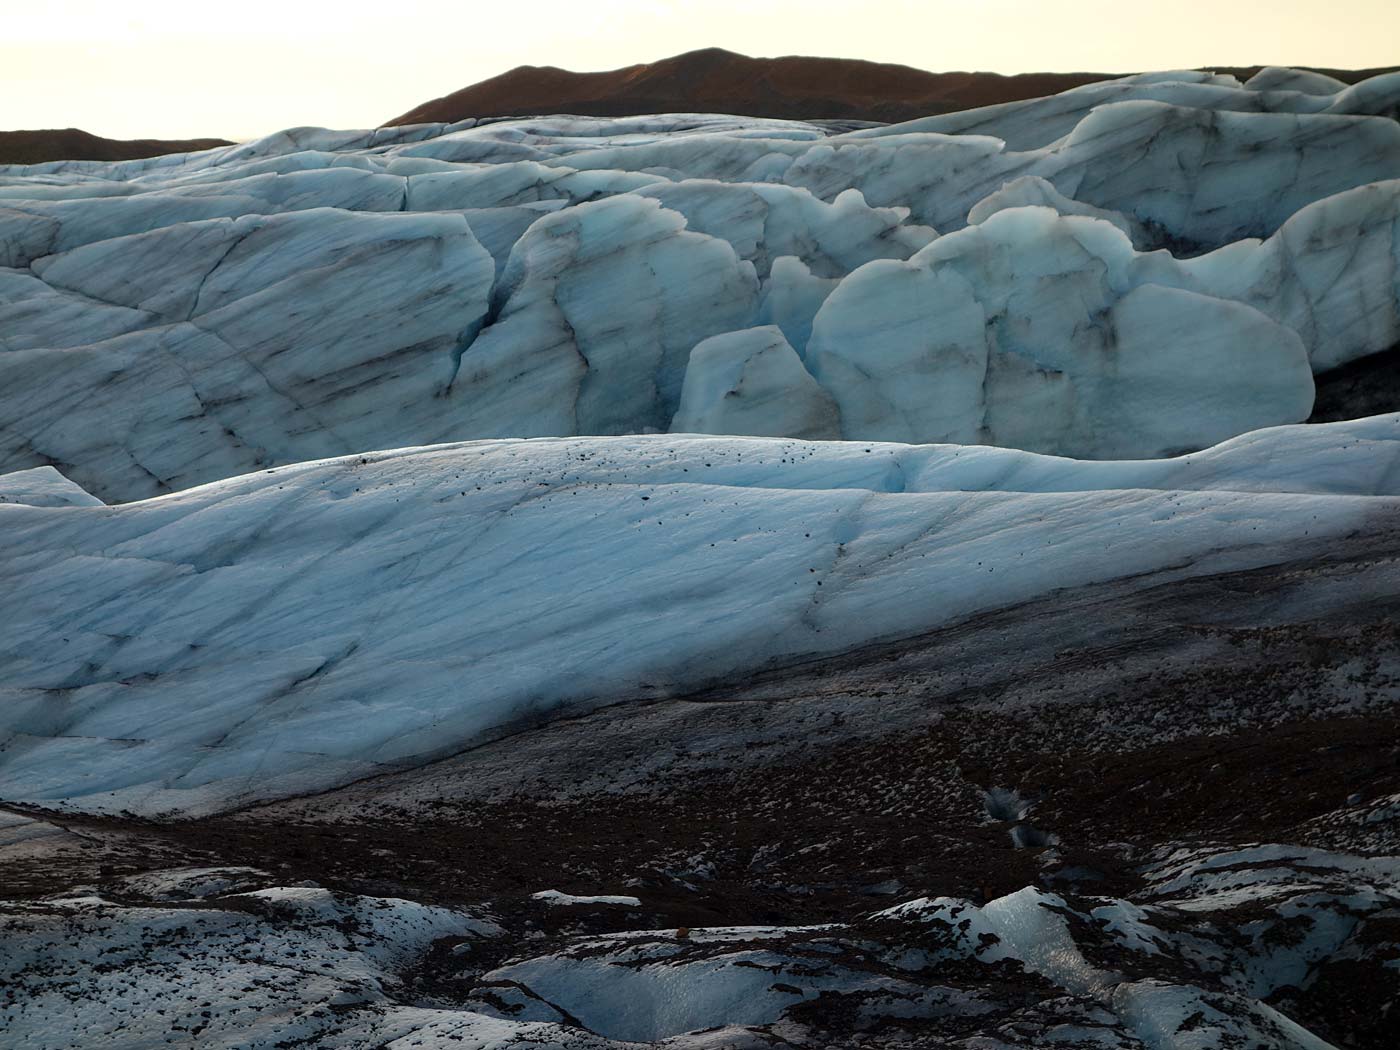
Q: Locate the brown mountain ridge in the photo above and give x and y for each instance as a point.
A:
(38, 147)
(712, 80)
(793, 87)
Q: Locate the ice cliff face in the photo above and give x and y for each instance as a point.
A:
(992, 277)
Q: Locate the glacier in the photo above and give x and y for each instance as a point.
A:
(1126, 270)
(711, 582)
(343, 617)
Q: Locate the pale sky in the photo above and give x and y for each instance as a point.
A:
(166, 69)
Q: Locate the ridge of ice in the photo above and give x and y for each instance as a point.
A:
(176, 320)
(352, 615)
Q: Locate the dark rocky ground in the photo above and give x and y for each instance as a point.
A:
(40, 146)
(1068, 745)
(1365, 387)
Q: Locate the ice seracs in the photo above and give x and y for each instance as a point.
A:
(1037, 330)
(249, 341)
(753, 382)
(765, 222)
(176, 320)
(1033, 191)
(596, 314)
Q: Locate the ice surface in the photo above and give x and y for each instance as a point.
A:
(1034, 123)
(753, 382)
(764, 222)
(1032, 191)
(1332, 274)
(1171, 1017)
(267, 340)
(175, 320)
(1281, 78)
(645, 988)
(185, 884)
(1037, 330)
(233, 970)
(599, 308)
(215, 344)
(43, 487)
(555, 898)
(1207, 178)
(295, 628)
(1030, 930)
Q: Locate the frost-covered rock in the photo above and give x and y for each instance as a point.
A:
(227, 956)
(231, 969)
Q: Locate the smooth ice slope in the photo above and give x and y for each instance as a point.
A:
(177, 320)
(294, 628)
